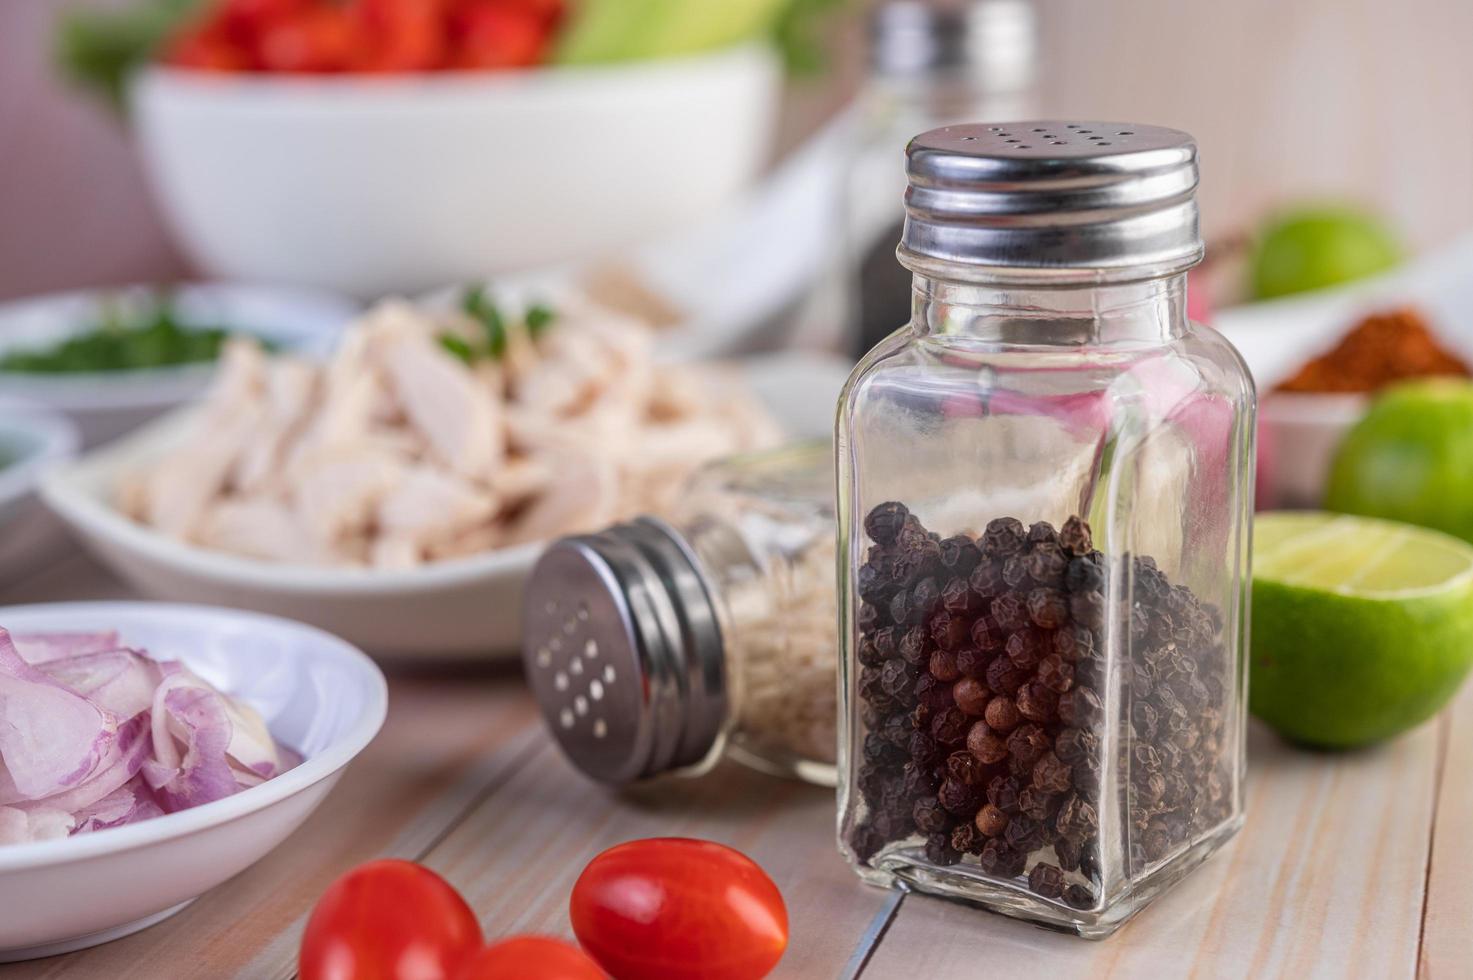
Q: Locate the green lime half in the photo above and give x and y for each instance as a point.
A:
(1362, 628)
(1318, 246)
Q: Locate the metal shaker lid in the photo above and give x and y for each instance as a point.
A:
(622, 648)
(992, 42)
(1053, 195)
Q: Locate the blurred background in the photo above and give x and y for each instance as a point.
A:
(724, 174)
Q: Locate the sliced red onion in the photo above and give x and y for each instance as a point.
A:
(94, 735)
(51, 738)
(40, 648)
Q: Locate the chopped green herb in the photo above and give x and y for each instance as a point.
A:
(155, 338)
(457, 346)
(539, 318)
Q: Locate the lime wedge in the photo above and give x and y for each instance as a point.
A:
(1362, 628)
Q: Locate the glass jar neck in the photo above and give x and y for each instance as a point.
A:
(1144, 312)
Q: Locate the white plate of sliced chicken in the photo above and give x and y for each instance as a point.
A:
(397, 493)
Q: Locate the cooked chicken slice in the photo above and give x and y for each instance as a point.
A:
(259, 528)
(520, 477)
(459, 418)
(583, 496)
(183, 484)
(394, 554)
(290, 389)
(430, 505)
(337, 491)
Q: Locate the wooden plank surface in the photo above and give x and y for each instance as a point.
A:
(1349, 865)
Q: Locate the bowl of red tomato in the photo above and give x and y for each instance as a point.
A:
(381, 146)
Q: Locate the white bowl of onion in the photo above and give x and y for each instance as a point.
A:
(318, 696)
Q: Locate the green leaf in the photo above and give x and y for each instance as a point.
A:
(100, 50)
(539, 318)
(457, 346)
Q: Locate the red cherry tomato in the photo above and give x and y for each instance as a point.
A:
(530, 958)
(206, 50)
(670, 908)
(403, 35)
(492, 34)
(318, 39)
(388, 920)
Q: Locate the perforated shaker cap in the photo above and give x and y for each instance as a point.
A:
(622, 647)
(1054, 196)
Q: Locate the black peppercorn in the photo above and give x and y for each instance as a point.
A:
(986, 580)
(917, 780)
(1073, 744)
(958, 798)
(1088, 608)
(1074, 536)
(1001, 714)
(1046, 881)
(914, 646)
(940, 851)
(869, 616)
(987, 635)
(1002, 792)
(1055, 674)
(1002, 677)
(986, 744)
(949, 726)
(1024, 834)
(1015, 572)
(1046, 563)
(1036, 702)
(1038, 805)
(991, 821)
(897, 678)
(1009, 611)
(959, 554)
(1050, 774)
(923, 749)
(970, 696)
(1041, 532)
(1068, 852)
(1028, 743)
(943, 666)
(1076, 818)
(964, 767)
(884, 523)
(1085, 575)
(1003, 536)
(1025, 648)
(929, 816)
(1048, 608)
(1081, 707)
(958, 598)
(972, 662)
(1000, 860)
(967, 839)
(886, 642)
(1079, 896)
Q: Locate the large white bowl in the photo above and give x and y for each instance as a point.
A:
(373, 185)
(318, 695)
(105, 405)
(465, 607)
(32, 439)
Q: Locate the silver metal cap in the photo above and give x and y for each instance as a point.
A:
(1052, 195)
(622, 647)
(992, 42)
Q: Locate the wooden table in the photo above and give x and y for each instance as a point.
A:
(1349, 866)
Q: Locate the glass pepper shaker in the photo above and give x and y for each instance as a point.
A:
(1045, 486)
(658, 646)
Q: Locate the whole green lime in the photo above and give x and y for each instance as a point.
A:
(1361, 628)
(1410, 458)
(1310, 248)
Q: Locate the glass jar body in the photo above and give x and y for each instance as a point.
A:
(761, 529)
(1044, 504)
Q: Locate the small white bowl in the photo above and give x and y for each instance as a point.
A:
(107, 404)
(1298, 434)
(319, 696)
(32, 439)
(376, 185)
(465, 607)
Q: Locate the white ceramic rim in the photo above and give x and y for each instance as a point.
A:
(51, 437)
(16, 857)
(255, 88)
